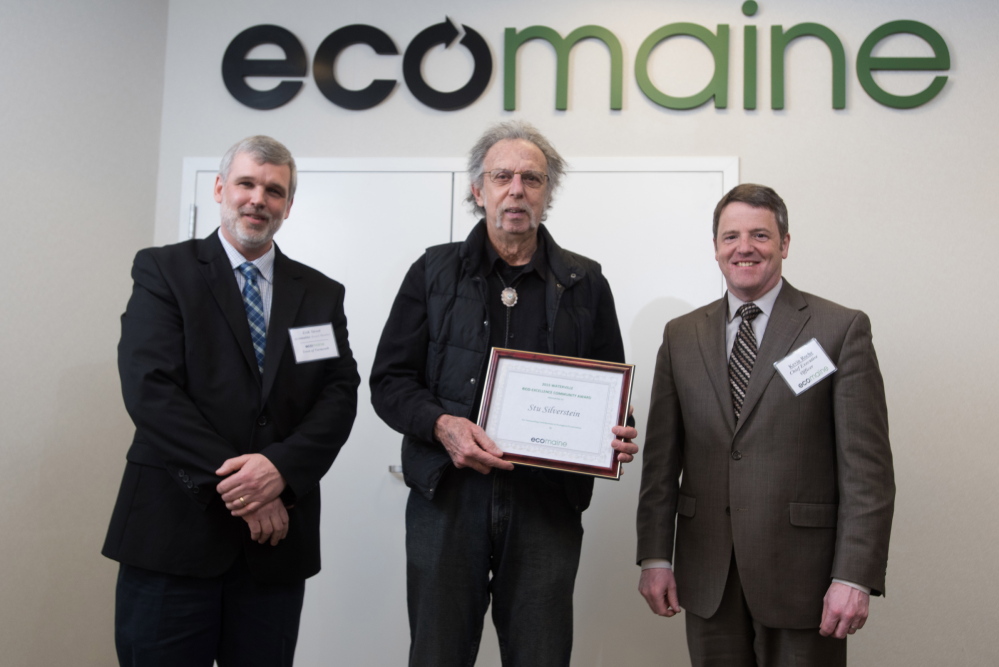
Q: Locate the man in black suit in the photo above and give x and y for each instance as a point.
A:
(236, 370)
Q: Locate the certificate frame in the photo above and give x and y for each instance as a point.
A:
(553, 380)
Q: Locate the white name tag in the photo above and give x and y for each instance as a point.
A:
(805, 367)
(314, 343)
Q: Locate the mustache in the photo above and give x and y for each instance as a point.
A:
(260, 213)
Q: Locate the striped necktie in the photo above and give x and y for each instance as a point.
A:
(740, 363)
(254, 311)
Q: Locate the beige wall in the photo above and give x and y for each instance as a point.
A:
(81, 91)
(891, 211)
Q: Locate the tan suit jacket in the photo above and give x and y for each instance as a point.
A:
(802, 488)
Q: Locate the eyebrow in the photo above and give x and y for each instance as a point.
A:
(267, 184)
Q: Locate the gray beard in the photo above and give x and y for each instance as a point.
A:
(230, 220)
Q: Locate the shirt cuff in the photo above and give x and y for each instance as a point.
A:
(859, 587)
(656, 564)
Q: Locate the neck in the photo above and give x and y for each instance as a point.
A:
(516, 251)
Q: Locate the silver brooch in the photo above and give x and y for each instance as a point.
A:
(509, 297)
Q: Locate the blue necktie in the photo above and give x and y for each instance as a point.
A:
(254, 311)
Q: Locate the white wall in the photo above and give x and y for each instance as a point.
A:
(891, 211)
(80, 102)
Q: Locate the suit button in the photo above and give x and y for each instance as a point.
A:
(196, 489)
(736, 455)
(728, 511)
(190, 484)
(472, 380)
(262, 420)
(180, 473)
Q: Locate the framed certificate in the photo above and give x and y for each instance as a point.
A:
(556, 412)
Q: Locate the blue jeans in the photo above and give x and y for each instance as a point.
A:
(517, 527)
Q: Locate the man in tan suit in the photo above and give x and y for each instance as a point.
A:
(777, 532)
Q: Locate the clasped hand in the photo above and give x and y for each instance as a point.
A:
(251, 490)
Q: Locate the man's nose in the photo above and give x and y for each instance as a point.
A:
(517, 186)
(257, 196)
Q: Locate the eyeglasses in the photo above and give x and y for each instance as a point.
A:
(531, 179)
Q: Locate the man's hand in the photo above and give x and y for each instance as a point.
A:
(468, 445)
(252, 482)
(844, 610)
(270, 522)
(658, 587)
(623, 444)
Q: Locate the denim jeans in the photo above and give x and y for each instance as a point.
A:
(509, 536)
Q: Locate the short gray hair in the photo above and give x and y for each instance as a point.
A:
(264, 150)
(757, 196)
(507, 131)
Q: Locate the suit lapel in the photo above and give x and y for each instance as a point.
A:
(788, 318)
(217, 271)
(288, 294)
(711, 338)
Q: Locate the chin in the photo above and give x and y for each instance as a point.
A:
(257, 239)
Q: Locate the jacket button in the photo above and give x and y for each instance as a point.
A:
(196, 489)
(262, 420)
(190, 484)
(728, 511)
(472, 380)
(180, 473)
(736, 455)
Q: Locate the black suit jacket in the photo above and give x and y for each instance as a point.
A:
(191, 386)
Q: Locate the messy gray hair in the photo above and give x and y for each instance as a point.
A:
(512, 130)
(264, 150)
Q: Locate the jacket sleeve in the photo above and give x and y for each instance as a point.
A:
(662, 462)
(863, 461)
(607, 343)
(153, 376)
(399, 392)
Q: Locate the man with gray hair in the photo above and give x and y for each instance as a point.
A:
(476, 528)
(216, 526)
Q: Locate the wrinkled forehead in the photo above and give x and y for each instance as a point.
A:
(518, 154)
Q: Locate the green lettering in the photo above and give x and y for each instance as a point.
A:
(749, 8)
(866, 63)
(779, 41)
(514, 39)
(717, 88)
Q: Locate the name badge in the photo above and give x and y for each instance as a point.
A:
(805, 367)
(314, 343)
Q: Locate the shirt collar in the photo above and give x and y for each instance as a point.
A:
(537, 262)
(264, 263)
(765, 303)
